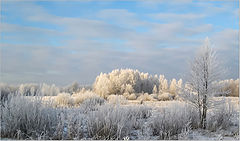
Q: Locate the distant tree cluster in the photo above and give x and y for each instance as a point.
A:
(74, 88)
(6, 90)
(133, 82)
(38, 89)
(42, 89)
(232, 86)
(130, 81)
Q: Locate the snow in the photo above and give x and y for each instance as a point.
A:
(144, 132)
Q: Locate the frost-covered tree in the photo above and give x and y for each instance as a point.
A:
(38, 89)
(72, 88)
(179, 83)
(6, 90)
(232, 86)
(48, 90)
(155, 90)
(29, 89)
(161, 83)
(165, 85)
(173, 86)
(124, 80)
(179, 86)
(129, 89)
(201, 86)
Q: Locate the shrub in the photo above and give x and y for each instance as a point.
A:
(78, 98)
(108, 123)
(27, 119)
(165, 97)
(117, 99)
(145, 97)
(31, 118)
(63, 99)
(155, 96)
(70, 125)
(132, 97)
(172, 120)
(140, 111)
(222, 117)
(138, 114)
(126, 95)
(114, 121)
(92, 104)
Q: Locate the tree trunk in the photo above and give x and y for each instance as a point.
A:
(200, 115)
(206, 72)
(199, 109)
(204, 113)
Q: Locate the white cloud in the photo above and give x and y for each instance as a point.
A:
(177, 17)
(121, 17)
(153, 4)
(89, 46)
(226, 39)
(226, 42)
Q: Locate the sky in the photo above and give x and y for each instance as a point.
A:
(61, 41)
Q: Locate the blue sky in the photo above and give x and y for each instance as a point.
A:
(65, 41)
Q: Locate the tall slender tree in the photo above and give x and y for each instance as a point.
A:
(202, 87)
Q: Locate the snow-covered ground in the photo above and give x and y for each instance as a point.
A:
(143, 126)
(194, 134)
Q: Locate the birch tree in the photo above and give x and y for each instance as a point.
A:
(204, 72)
(155, 90)
(172, 87)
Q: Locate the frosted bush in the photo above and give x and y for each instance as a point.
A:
(179, 98)
(78, 98)
(172, 120)
(27, 119)
(223, 117)
(140, 111)
(138, 114)
(70, 125)
(155, 96)
(117, 99)
(165, 97)
(92, 103)
(114, 121)
(63, 99)
(132, 97)
(146, 97)
(126, 95)
(108, 123)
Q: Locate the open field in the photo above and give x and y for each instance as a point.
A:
(96, 118)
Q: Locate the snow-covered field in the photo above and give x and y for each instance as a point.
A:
(100, 119)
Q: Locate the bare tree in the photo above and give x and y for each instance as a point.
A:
(201, 85)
